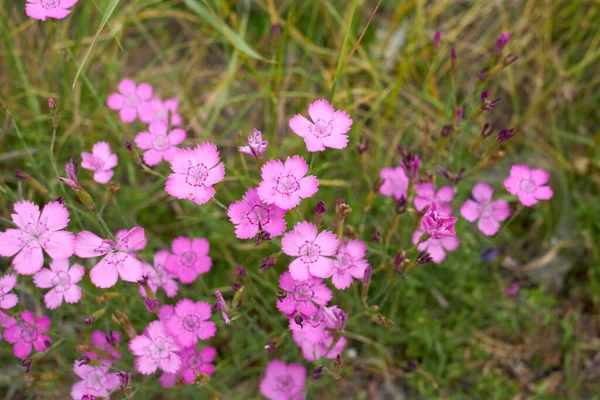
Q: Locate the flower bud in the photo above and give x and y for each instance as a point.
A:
(52, 103)
(401, 205)
(237, 299)
(366, 281)
(424, 258)
(241, 271)
(363, 145)
(437, 37)
(221, 306)
(317, 373)
(267, 263)
(121, 319)
(376, 237)
(504, 135)
(447, 131)
(337, 367)
(501, 42)
(151, 304)
(256, 146)
(94, 316)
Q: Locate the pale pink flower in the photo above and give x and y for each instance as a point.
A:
(107, 343)
(315, 351)
(283, 381)
(490, 213)
(195, 171)
(63, 281)
(436, 224)
(117, 261)
(95, 381)
(191, 322)
(26, 333)
(189, 259)
(349, 263)
(395, 182)
(302, 296)
(313, 327)
(426, 195)
(129, 99)
(313, 249)
(192, 362)
(251, 213)
(256, 146)
(156, 349)
(133, 247)
(285, 184)
(436, 247)
(7, 299)
(36, 232)
(42, 9)
(158, 276)
(327, 129)
(101, 161)
(156, 110)
(528, 184)
(159, 143)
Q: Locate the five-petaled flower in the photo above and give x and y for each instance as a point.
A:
(528, 184)
(283, 381)
(189, 259)
(251, 214)
(190, 322)
(302, 296)
(42, 9)
(26, 333)
(63, 281)
(155, 349)
(192, 362)
(158, 276)
(159, 143)
(129, 99)
(490, 213)
(156, 109)
(95, 381)
(349, 263)
(102, 161)
(426, 194)
(395, 182)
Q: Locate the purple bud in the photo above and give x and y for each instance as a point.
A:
(366, 280)
(317, 373)
(71, 169)
(411, 163)
(459, 114)
(124, 378)
(376, 237)
(89, 320)
(504, 135)
(241, 271)
(262, 235)
(363, 145)
(400, 206)
(256, 146)
(60, 200)
(484, 96)
(482, 75)
(298, 319)
(88, 397)
(399, 260)
(111, 338)
(486, 130)
(424, 258)
(21, 175)
(221, 306)
(501, 42)
(320, 208)
(26, 363)
(437, 37)
(511, 58)
(412, 366)
(52, 103)
(489, 254)
(83, 361)
(267, 263)
(447, 130)
(512, 289)
(453, 53)
(235, 286)
(151, 304)
(276, 30)
(341, 318)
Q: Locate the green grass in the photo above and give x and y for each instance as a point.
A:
(231, 74)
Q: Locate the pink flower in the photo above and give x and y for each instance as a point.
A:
(95, 381)
(436, 224)
(192, 362)
(512, 289)
(166, 312)
(134, 247)
(313, 327)
(313, 352)
(313, 250)
(194, 173)
(283, 381)
(117, 261)
(490, 213)
(42, 9)
(7, 299)
(129, 99)
(156, 349)
(190, 258)
(36, 232)
(156, 110)
(285, 184)
(426, 195)
(159, 143)
(528, 184)
(62, 279)
(106, 343)
(101, 161)
(349, 263)
(256, 146)
(251, 212)
(303, 296)
(190, 322)
(328, 129)
(395, 182)
(158, 276)
(27, 333)
(436, 247)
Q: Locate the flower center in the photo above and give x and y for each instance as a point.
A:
(258, 214)
(104, 247)
(310, 252)
(285, 384)
(50, 3)
(29, 334)
(194, 362)
(131, 101)
(287, 184)
(527, 185)
(321, 128)
(159, 349)
(487, 211)
(188, 258)
(96, 381)
(98, 164)
(61, 280)
(161, 142)
(190, 323)
(303, 293)
(343, 261)
(196, 175)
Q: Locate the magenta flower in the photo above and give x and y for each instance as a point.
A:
(192, 362)
(101, 161)
(435, 247)
(528, 184)
(155, 349)
(512, 289)
(501, 42)
(159, 143)
(42, 9)
(426, 195)
(256, 146)
(315, 351)
(313, 327)
(283, 381)
(490, 213)
(117, 261)
(349, 263)
(395, 182)
(194, 173)
(191, 322)
(302, 296)
(313, 250)
(157, 110)
(106, 343)
(36, 232)
(285, 184)
(251, 213)
(328, 129)
(95, 381)
(436, 224)
(129, 99)
(27, 333)
(166, 312)
(158, 276)
(7, 299)
(189, 259)
(63, 281)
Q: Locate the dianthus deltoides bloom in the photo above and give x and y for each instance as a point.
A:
(62, 280)
(7, 299)
(395, 182)
(191, 322)
(436, 224)
(189, 259)
(195, 171)
(251, 213)
(349, 263)
(156, 349)
(528, 184)
(303, 296)
(312, 249)
(27, 333)
(315, 351)
(158, 110)
(490, 213)
(192, 361)
(117, 261)
(283, 381)
(426, 195)
(107, 343)
(284, 184)
(36, 232)
(313, 327)
(95, 381)
(328, 129)
(159, 143)
(435, 247)
(42, 9)
(101, 161)
(158, 276)
(129, 99)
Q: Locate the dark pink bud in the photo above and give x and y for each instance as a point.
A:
(26, 363)
(128, 146)
(221, 306)
(437, 37)
(235, 286)
(320, 208)
(317, 373)
(511, 58)
(71, 169)
(21, 175)
(256, 146)
(88, 397)
(424, 258)
(512, 289)
(501, 42)
(124, 378)
(341, 318)
(111, 338)
(484, 96)
(400, 206)
(298, 319)
(459, 114)
(262, 235)
(366, 280)
(89, 320)
(276, 30)
(363, 145)
(447, 130)
(151, 304)
(52, 103)
(482, 75)
(504, 135)
(453, 53)
(267, 263)
(376, 237)
(241, 271)
(486, 130)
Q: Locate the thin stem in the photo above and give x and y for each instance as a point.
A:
(104, 226)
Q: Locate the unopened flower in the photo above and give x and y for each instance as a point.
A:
(363, 145)
(317, 373)
(43, 9)
(62, 279)
(410, 162)
(304, 296)
(267, 263)
(124, 379)
(509, 59)
(458, 115)
(95, 381)
(447, 131)
(436, 224)
(437, 37)
(151, 304)
(102, 161)
(241, 271)
(27, 333)
(189, 259)
(528, 184)
(192, 363)
(52, 102)
(283, 381)
(424, 258)
(190, 322)
(501, 42)
(512, 289)
(490, 213)
(159, 143)
(129, 99)
(221, 306)
(251, 214)
(71, 169)
(256, 146)
(487, 104)
(349, 264)
(157, 110)
(320, 208)
(155, 349)
(426, 194)
(486, 130)
(395, 182)
(504, 135)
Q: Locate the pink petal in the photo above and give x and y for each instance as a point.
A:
(76, 273)
(512, 184)
(215, 175)
(436, 251)
(527, 199)
(488, 226)
(201, 194)
(43, 278)
(22, 349)
(445, 194)
(139, 344)
(313, 143)
(130, 269)
(170, 364)
(341, 280)
(483, 192)
(8, 283)
(300, 125)
(29, 260)
(543, 193)
(296, 165)
(73, 294)
(127, 87)
(144, 91)
(115, 101)
(450, 243)
(26, 215)
(12, 241)
(520, 171)
(101, 150)
(176, 136)
(89, 245)
(208, 354)
(421, 203)
(470, 210)
(299, 270)
(501, 210)
(177, 186)
(9, 301)
(152, 157)
(59, 245)
(321, 109)
(328, 242)
(36, 11)
(201, 246)
(144, 140)
(145, 365)
(336, 141)
(167, 380)
(104, 275)
(271, 170)
(181, 244)
(539, 176)
(103, 176)
(341, 123)
(424, 189)
(58, 13)
(308, 186)
(322, 268)
(53, 299)
(207, 330)
(54, 217)
(128, 114)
